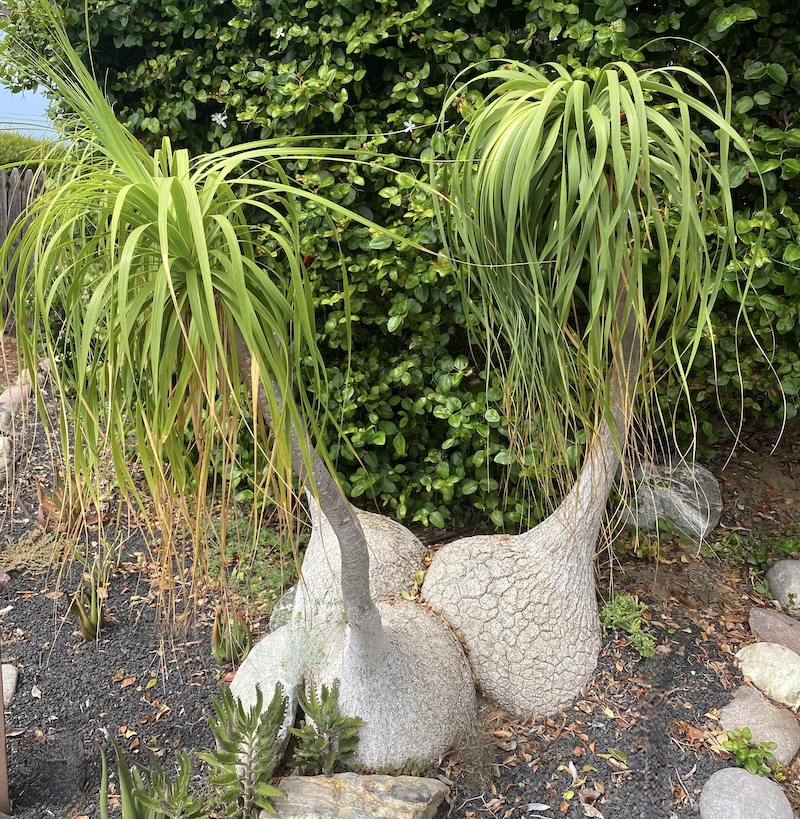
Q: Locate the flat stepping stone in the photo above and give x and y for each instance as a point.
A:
(733, 793)
(784, 585)
(774, 670)
(767, 722)
(351, 795)
(774, 627)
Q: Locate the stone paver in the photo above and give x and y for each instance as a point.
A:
(774, 670)
(767, 722)
(774, 627)
(733, 793)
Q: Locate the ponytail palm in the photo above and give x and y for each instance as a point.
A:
(592, 225)
(571, 194)
(143, 271)
(146, 272)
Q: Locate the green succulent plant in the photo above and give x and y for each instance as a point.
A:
(625, 613)
(231, 638)
(249, 746)
(88, 604)
(327, 737)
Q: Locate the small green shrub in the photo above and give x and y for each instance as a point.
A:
(22, 151)
(327, 737)
(626, 614)
(755, 758)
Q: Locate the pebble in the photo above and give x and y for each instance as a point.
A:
(10, 675)
(767, 722)
(733, 793)
(774, 670)
(773, 666)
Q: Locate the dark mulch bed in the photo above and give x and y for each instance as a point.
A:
(640, 742)
(141, 684)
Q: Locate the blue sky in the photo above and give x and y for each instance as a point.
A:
(25, 112)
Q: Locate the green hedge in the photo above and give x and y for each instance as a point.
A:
(22, 151)
(423, 417)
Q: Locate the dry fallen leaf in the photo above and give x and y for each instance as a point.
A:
(36, 692)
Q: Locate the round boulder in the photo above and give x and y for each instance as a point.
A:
(733, 793)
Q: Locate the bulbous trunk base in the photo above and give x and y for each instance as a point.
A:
(526, 611)
(416, 695)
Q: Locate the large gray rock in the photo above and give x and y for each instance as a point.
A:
(767, 723)
(684, 493)
(350, 795)
(774, 627)
(774, 670)
(784, 585)
(733, 793)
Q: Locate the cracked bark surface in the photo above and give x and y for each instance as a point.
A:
(395, 554)
(417, 699)
(525, 605)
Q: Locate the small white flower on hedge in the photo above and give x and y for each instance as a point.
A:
(219, 119)
(279, 32)
(409, 125)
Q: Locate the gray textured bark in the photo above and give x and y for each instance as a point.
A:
(525, 606)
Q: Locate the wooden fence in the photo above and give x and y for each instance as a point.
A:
(16, 191)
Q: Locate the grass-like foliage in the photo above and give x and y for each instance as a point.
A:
(578, 200)
(327, 737)
(140, 273)
(626, 614)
